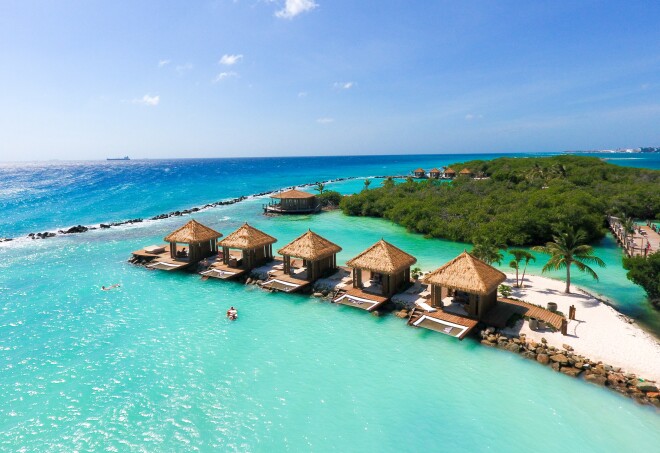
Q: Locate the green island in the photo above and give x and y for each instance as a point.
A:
(513, 201)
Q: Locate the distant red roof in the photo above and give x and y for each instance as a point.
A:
(435, 170)
(466, 171)
(449, 170)
(419, 170)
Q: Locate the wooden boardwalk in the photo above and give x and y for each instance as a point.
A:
(502, 311)
(642, 242)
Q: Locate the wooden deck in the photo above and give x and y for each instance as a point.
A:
(505, 308)
(280, 281)
(223, 271)
(357, 298)
(162, 261)
(443, 322)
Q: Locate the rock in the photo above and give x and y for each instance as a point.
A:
(543, 359)
(402, 314)
(579, 365)
(567, 347)
(492, 338)
(513, 347)
(317, 295)
(555, 366)
(248, 281)
(544, 341)
(559, 358)
(570, 371)
(655, 402)
(595, 379)
(647, 387)
(325, 293)
(490, 330)
(529, 355)
(375, 313)
(487, 343)
(104, 226)
(615, 379)
(653, 394)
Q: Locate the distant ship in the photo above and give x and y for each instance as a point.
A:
(118, 158)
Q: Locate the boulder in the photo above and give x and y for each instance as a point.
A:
(543, 359)
(570, 371)
(555, 366)
(402, 314)
(615, 379)
(647, 387)
(559, 358)
(317, 295)
(513, 347)
(595, 379)
(487, 343)
(567, 347)
(529, 355)
(653, 394)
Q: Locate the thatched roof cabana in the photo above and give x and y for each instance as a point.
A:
(466, 172)
(420, 173)
(202, 241)
(435, 173)
(310, 246)
(449, 172)
(318, 254)
(388, 266)
(470, 275)
(382, 257)
(192, 232)
(293, 194)
(293, 202)
(257, 246)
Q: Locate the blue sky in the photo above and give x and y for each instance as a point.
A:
(89, 79)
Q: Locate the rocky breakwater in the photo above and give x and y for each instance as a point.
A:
(567, 361)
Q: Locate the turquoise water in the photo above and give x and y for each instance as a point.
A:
(154, 366)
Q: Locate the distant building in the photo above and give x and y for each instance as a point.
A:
(449, 173)
(419, 173)
(435, 173)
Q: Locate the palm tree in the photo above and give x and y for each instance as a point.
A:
(320, 187)
(367, 182)
(518, 256)
(487, 252)
(388, 183)
(568, 248)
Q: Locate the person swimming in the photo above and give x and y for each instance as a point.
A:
(232, 314)
(116, 285)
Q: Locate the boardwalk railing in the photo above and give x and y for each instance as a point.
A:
(641, 242)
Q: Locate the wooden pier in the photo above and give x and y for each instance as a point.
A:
(642, 242)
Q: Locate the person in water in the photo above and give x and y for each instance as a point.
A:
(116, 285)
(232, 313)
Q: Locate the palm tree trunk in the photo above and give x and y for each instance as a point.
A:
(568, 278)
(518, 285)
(522, 280)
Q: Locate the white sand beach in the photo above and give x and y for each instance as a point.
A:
(599, 332)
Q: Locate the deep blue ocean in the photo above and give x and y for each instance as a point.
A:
(154, 366)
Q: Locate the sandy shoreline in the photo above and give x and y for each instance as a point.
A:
(599, 332)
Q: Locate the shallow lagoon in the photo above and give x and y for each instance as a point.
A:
(154, 366)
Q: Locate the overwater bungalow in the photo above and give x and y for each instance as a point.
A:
(449, 173)
(242, 251)
(462, 292)
(305, 260)
(419, 173)
(466, 172)
(187, 246)
(293, 202)
(435, 173)
(378, 273)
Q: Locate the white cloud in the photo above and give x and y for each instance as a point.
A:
(183, 68)
(325, 120)
(148, 100)
(294, 7)
(162, 63)
(302, 94)
(224, 75)
(471, 116)
(343, 85)
(229, 60)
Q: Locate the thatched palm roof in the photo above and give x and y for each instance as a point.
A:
(382, 257)
(435, 170)
(310, 246)
(466, 171)
(449, 170)
(293, 193)
(247, 237)
(467, 273)
(419, 170)
(192, 232)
